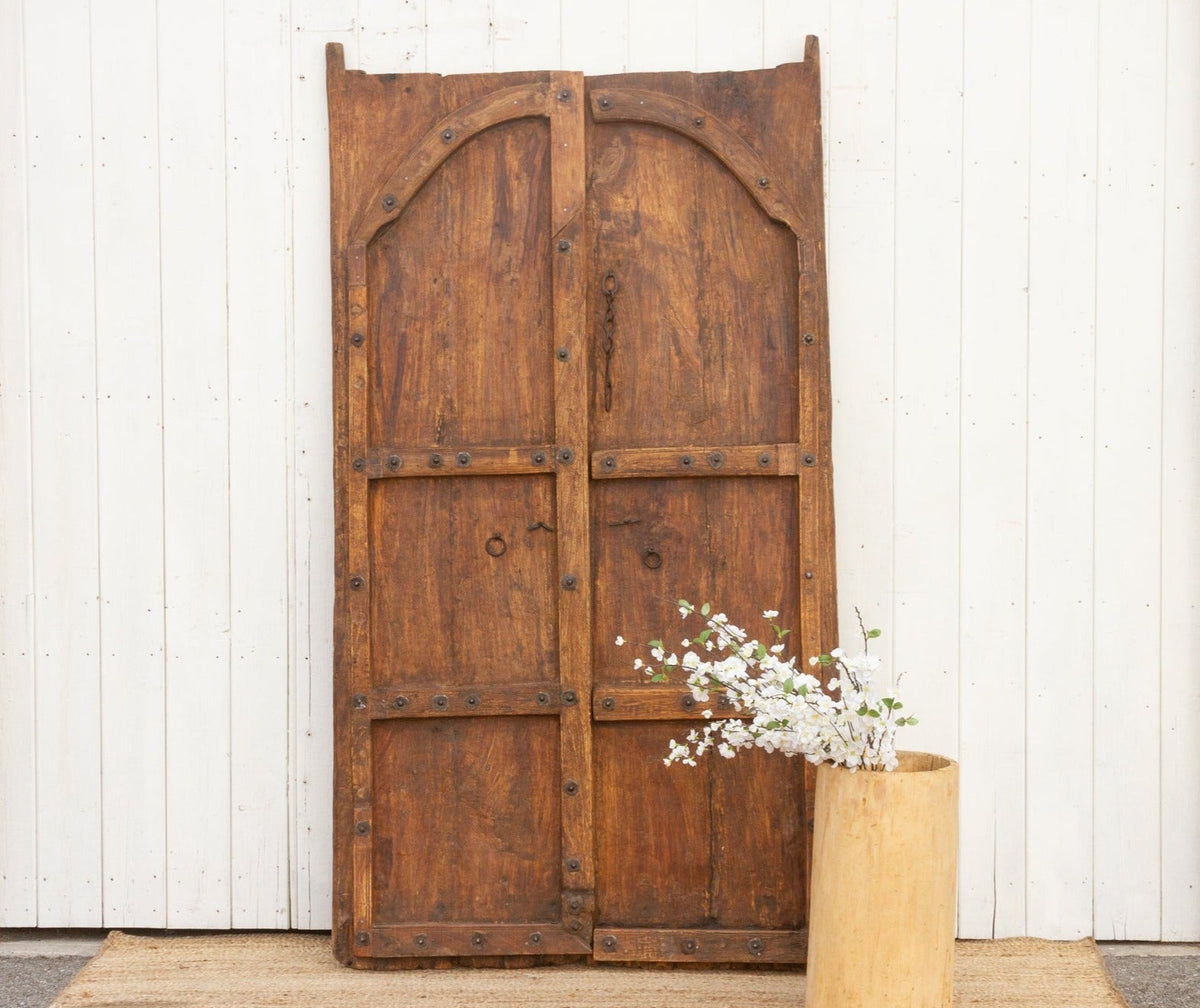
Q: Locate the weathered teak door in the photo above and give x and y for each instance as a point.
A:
(581, 369)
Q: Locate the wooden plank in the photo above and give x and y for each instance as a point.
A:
(700, 945)
(861, 143)
(706, 460)
(649, 701)
(1059, 636)
(62, 365)
(926, 449)
(483, 938)
(1128, 544)
(647, 871)
(460, 460)
(358, 586)
(18, 795)
(130, 447)
(451, 788)
(413, 700)
(196, 465)
(995, 306)
(311, 645)
(256, 121)
(1181, 475)
(572, 380)
(453, 561)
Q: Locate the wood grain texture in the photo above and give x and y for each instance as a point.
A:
(466, 566)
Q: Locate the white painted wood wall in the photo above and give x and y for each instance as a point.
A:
(1014, 259)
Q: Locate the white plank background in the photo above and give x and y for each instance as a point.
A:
(1013, 198)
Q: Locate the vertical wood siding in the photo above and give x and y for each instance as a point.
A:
(1014, 256)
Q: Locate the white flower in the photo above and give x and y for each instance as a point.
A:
(770, 613)
(620, 641)
(780, 709)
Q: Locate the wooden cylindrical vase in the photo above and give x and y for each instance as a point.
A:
(882, 910)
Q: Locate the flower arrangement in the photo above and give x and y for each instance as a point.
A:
(777, 707)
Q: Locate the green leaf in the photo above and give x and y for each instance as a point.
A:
(889, 703)
(874, 633)
(705, 609)
(862, 711)
(703, 635)
(655, 644)
(659, 677)
(760, 652)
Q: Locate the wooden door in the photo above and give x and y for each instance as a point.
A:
(580, 370)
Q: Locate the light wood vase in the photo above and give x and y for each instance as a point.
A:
(884, 869)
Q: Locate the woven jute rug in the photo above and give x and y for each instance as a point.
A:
(247, 971)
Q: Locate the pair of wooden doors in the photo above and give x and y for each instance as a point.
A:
(581, 370)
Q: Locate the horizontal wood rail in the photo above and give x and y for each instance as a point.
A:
(428, 701)
(654, 702)
(696, 460)
(700, 945)
(458, 460)
(475, 939)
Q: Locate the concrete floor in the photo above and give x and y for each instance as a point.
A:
(35, 967)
